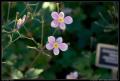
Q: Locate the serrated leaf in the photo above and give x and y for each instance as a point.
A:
(16, 74)
(9, 63)
(33, 73)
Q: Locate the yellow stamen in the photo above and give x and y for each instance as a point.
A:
(60, 19)
(55, 45)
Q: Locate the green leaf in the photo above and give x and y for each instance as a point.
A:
(42, 61)
(16, 74)
(104, 73)
(33, 73)
(49, 75)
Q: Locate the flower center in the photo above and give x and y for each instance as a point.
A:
(60, 19)
(55, 45)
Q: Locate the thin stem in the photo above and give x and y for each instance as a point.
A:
(8, 11)
(24, 9)
(9, 23)
(46, 54)
(16, 39)
(35, 8)
(29, 39)
(6, 31)
(91, 42)
(26, 29)
(42, 52)
(42, 31)
(103, 18)
(15, 23)
(32, 47)
(101, 25)
(34, 60)
(10, 38)
(12, 42)
(37, 20)
(58, 7)
(55, 31)
(19, 33)
(34, 41)
(32, 4)
(15, 20)
(2, 51)
(109, 12)
(27, 6)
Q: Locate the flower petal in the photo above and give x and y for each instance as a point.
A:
(75, 74)
(23, 19)
(51, 39)
(68, 20)
(49, 46)
(69, 77)
(19, 23)
(54, 24)
(61, 14)
(56, 51)
(59, 40)
(63, 46)
(54, 15)
(62, 26)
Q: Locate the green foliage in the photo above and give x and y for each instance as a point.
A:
(16, 74)
(33, 73)
(93, 23)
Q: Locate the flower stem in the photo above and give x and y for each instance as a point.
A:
(101, 15)
(34, 60)
(25, 28)
(55, 31)
(42, 31)
(15, 20)
(57, 7)
(12, 42)
(8, 11)
(35, 8)
(15, 23)
(24, 9)
(29, 39)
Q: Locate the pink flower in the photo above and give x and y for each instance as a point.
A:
(20, 22)
(56, 45)
(72, 75)
(60, 21)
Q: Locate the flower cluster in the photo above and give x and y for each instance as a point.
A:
(59, 20)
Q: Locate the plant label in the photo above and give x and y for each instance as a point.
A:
(107, 56)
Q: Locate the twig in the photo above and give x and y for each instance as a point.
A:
(103, 18)
(29, 39)
(57, 7)
(35, 8)
(34, 60)
(8, 11)
(42, 31)
(55, 31)
(12, 42)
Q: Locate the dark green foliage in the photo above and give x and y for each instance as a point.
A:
(93, 23)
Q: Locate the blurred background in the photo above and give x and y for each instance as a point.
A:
(93, 23)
